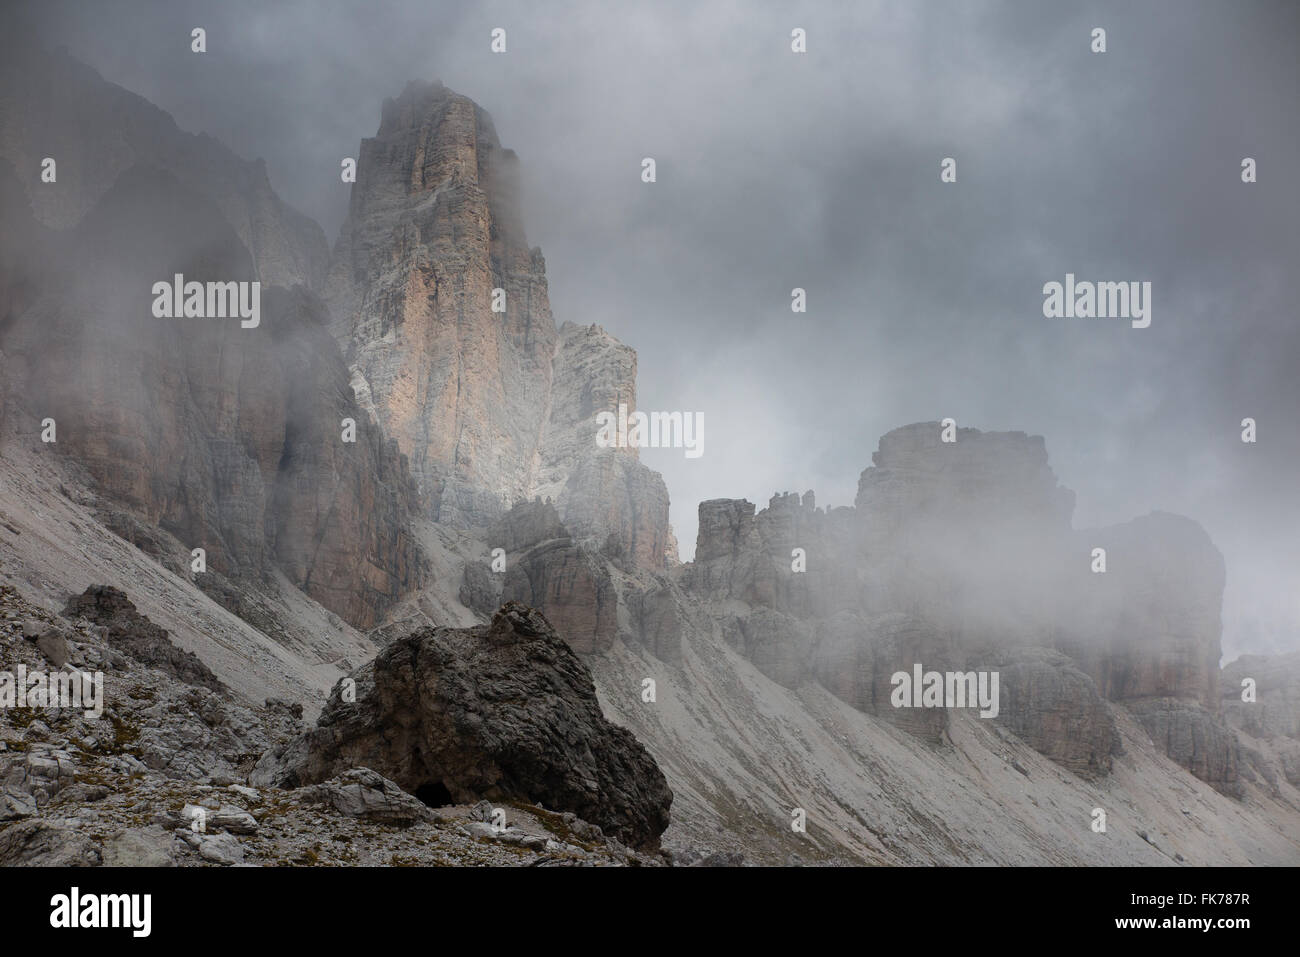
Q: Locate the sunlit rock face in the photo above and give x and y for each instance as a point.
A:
(431, 232)
(442, 309)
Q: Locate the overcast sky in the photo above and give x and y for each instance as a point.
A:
(821, 170)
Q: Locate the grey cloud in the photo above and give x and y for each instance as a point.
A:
(821, 171)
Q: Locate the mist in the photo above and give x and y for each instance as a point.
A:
(821, 171)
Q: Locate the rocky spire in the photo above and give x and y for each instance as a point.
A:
(442, 309)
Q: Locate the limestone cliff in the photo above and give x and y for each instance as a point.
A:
(1261, 702)
(960, 556)
(442, 309)
(228, 438)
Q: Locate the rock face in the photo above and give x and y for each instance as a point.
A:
(54, 105)
(1276, 709)
(1148, 630)
(1149, 627)
(606, 497)
(573, 589)
(546, 569)
(503, 711)
(1269, 725)
(431, 232)
(491, 407)
(1055, 709)
(229, 438)
(959, 556)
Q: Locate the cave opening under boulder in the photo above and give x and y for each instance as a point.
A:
(434, 794)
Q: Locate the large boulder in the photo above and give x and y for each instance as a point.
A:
(505, 711)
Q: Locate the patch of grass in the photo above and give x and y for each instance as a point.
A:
(309, 857)
(125, 735)
(22, 717)
(94, 777)
(555, 824)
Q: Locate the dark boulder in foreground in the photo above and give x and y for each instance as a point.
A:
(505, 711)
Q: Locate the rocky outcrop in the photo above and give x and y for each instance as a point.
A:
(856, 658)
(546, 569)
(131, 632)
(361, 793)
(573, 588)
(1194, 737)
(660, 617)
(1055, 709)
(1005, 475)
(431, 232)
(442, 308)
(606, 497)
(1275, 710)
(1261, 702)
(777, 644)
(960, 555)
(162, 714)
(792, 557)
(581, 589)
(40, 844)
(969, 535)
(503, 711)
(159, 781)
(1149, 627)
(1147, 631)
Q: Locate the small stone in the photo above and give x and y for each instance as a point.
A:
(54, 647)
(232, 819)
(140, 847)
(223, 849)
(363, 793)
